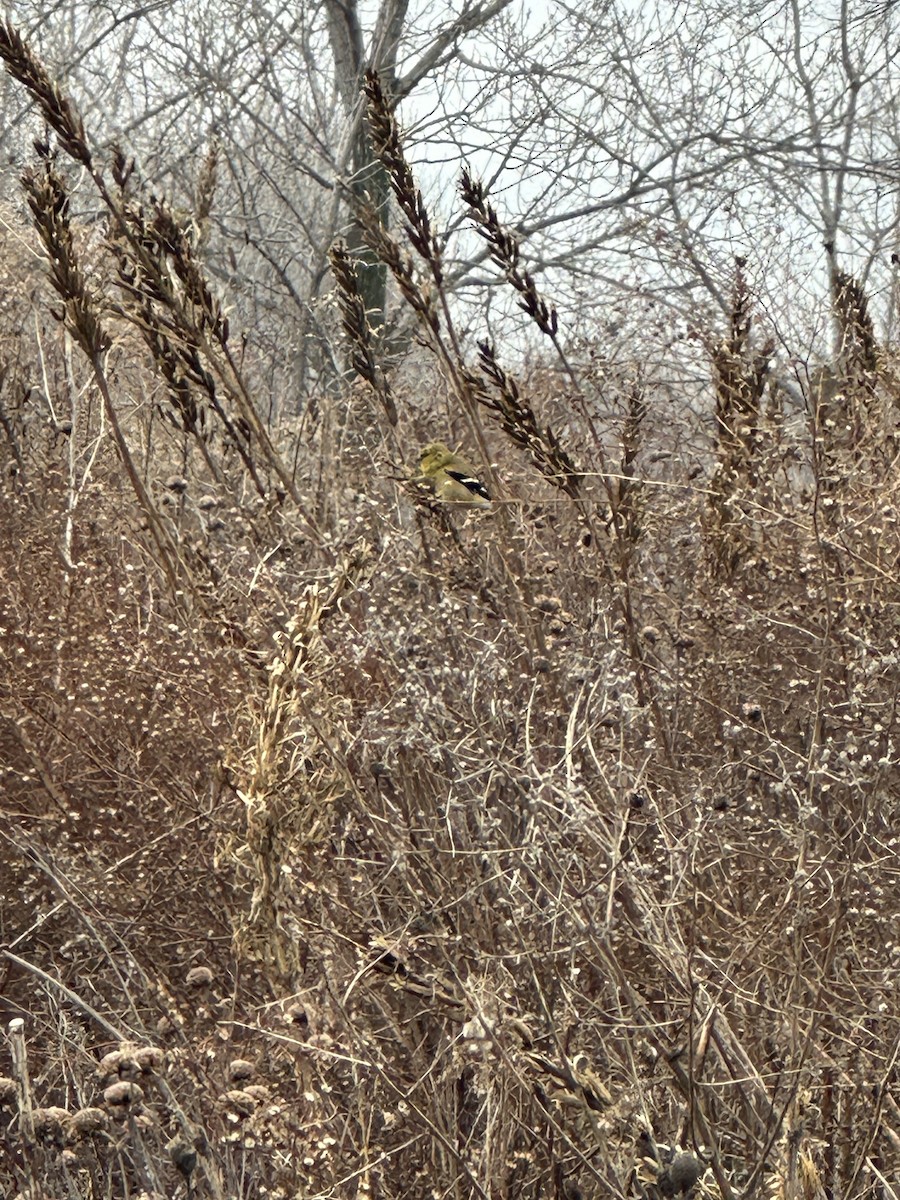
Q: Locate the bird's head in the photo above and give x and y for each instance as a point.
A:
(434, 455)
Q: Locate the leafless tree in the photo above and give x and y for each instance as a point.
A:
(636, 149)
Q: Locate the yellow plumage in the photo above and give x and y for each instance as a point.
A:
(454, 480)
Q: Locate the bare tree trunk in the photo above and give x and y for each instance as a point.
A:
(366, 177)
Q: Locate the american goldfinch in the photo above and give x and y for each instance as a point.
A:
(453, 479)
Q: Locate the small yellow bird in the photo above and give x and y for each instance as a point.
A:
(453, 479)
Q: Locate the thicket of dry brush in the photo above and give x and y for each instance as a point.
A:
(357, 847)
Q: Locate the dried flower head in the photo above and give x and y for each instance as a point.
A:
(122, 1097)
(238, 1103)
(240, 1069)
(50, 1124)
(87, 1122)
(150, 1059)
(183, 1156)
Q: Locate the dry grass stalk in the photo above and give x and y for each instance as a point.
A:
(358, 330)
(630, 494)
(204, 194)
(421, 299)
(848, 406)
(389, 148)
(49, 205)
(168, 271)
(857, 346)
(505, 251)
(24, 1095)
(293, 775)
(169, 301)
(58, 111)
(169, 276)
(740, 374)
(518, 420)
(154, 305)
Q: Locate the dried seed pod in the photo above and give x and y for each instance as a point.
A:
(548, 604)
(238, 1103)
(681, 1174)
(150, 1059)
(123, 1096)
(183, 1156)
(295, 1014)
(240, 1069)
(117, 1062)
(87, 1122)
(50, 1124)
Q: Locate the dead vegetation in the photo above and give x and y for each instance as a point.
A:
(357, 848)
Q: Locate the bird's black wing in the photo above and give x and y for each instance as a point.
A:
(475, 486)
